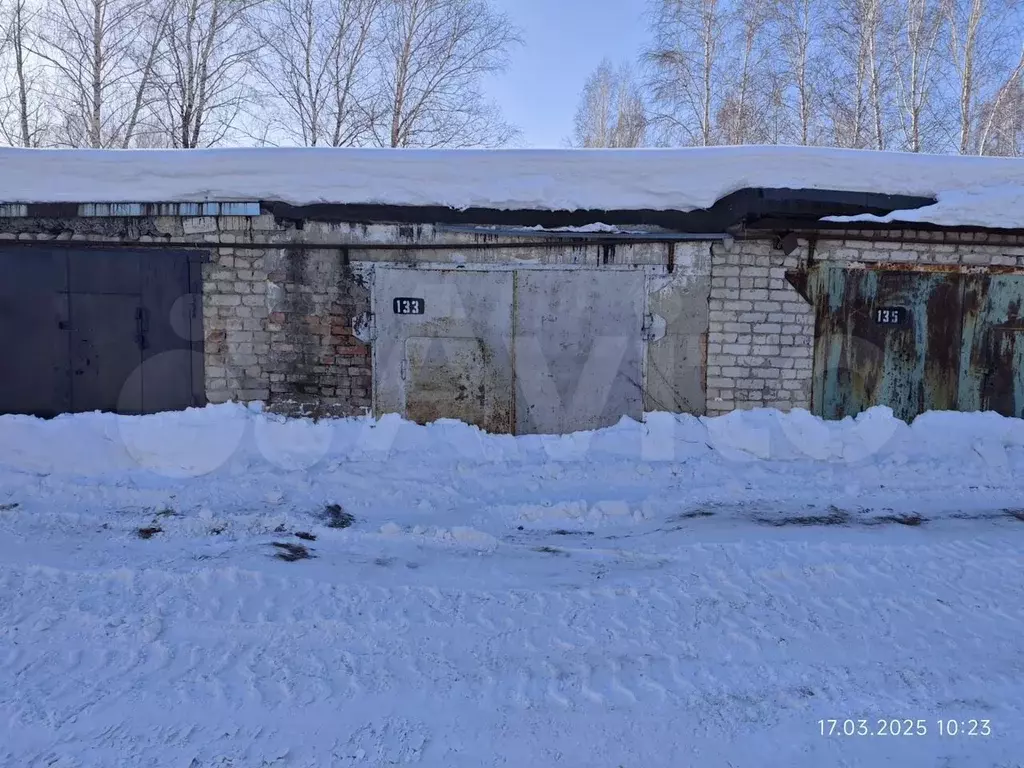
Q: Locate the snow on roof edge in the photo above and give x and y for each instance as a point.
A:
(972, 191)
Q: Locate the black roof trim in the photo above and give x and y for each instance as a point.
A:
(783, 224)
(52, 210)
(738, 208)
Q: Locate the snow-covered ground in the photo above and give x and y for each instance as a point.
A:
(682, 592)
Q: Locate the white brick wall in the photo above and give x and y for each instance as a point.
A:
(760, 332)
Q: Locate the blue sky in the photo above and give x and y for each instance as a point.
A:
(564, 41)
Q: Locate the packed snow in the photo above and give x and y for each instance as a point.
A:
(223, 587)
(972, 191)
(995, 207)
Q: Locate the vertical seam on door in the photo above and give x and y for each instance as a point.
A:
(71, 325)
(514, 418)
(372, 331)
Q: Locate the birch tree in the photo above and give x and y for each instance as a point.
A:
(979, 47)
(874, 55)
(846, 75)
(871, 71)
(917, 60)
(431, 65)
(741, 116)
(1002, 129)
(964, 21)
(22, 113)
(687, 64)
(798, 31)
(206, 63)
(314, 62)
(101, 56)
(611, 112)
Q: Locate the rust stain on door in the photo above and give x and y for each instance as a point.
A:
(451, 359)
(992, 354)
(446, 379)
(917, 340)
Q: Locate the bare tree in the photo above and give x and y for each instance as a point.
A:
(205, 68)
(687, 64)
(1002, 126)
(741, 116)
(964, 23)
(798, 27)
(851, 34)
(980, 52)
(916, 53)
(22, 113)
(873, 55)
(433, 58)
(777, 111)
(101, 55)
(313, 62)
(611, 112)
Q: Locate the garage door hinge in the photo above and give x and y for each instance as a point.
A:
(647, 331)
(365, 327)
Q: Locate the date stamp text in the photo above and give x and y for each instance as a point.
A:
(900, 727)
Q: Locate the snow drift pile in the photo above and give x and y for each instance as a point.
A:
(874, 460)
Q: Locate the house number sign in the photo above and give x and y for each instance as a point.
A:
(409, 306)
(891, 316)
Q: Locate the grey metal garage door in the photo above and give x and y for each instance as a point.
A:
(527, 351)
(109, 330)
(578, 349)
(442, 348)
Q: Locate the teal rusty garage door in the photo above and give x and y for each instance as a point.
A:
(992, 355)
(916, 341)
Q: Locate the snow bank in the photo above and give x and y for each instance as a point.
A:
(237, 438)
(971, 190)
(771, 435)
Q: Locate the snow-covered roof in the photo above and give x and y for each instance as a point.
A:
(971, 191)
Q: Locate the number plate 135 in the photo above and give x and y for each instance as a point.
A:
(891, 315)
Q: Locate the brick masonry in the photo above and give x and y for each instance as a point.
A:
(761, 331)
(279, 327)
(279, 322)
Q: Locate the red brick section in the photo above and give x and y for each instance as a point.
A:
(316, 365)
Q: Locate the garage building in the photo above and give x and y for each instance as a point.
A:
(524, 292)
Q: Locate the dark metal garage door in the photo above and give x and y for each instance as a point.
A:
(109, 330)
(917, 341)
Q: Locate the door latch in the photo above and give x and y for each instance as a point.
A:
(653, 328)
(142, 327)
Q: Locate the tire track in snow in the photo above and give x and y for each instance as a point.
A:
(773, 619)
